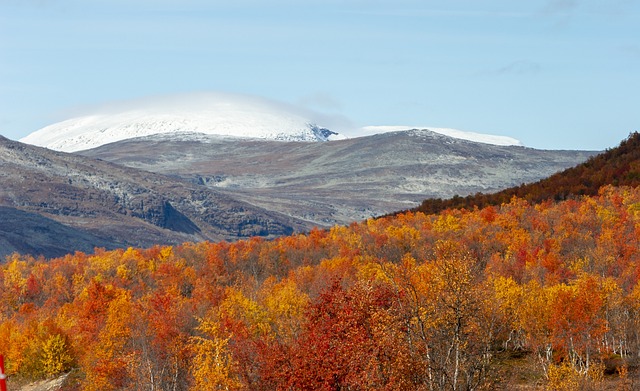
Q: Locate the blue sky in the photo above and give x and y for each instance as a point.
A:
(551, 73)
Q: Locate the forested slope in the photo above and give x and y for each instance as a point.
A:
(619, 166)
(515, 295)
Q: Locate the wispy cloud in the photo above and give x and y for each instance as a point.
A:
(204, 100)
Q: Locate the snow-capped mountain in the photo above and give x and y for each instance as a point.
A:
(212, 114)
(218, 114)
(459, 134)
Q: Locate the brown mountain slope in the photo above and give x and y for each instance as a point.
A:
(118, 206)
(618, 166)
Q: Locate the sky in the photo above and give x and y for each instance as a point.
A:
(554, 74)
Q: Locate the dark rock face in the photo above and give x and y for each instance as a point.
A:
(107, 205)
(322, 133)
(174, 220)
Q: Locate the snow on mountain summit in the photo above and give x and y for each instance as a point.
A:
(221, 114)
(459, 134)
(215, 114)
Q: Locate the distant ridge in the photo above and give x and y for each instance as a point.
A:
(619, 166)
(454, 133)
(345, 180)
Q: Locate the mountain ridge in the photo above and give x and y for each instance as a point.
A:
(449, 132)
(343, 180)
(123, 206)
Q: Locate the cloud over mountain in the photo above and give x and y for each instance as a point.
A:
(222, 114)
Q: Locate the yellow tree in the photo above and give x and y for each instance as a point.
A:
(285, 305)
(56, 357)
(509, 297)
(534, 320)
(15, 283)
(451, 321)
(213, 364)
(248, 322)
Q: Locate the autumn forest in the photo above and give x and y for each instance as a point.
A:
(525, 293)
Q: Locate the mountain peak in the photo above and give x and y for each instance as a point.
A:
(212, 113)
(454, 133)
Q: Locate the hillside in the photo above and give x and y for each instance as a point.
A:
(341, 181)
(211, 188)
(87, 203)
(31, 233)
(527, 296)
(619, 166)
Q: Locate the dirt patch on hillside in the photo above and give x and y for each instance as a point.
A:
(42, 385)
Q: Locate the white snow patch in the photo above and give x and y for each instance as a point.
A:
(459, 134)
